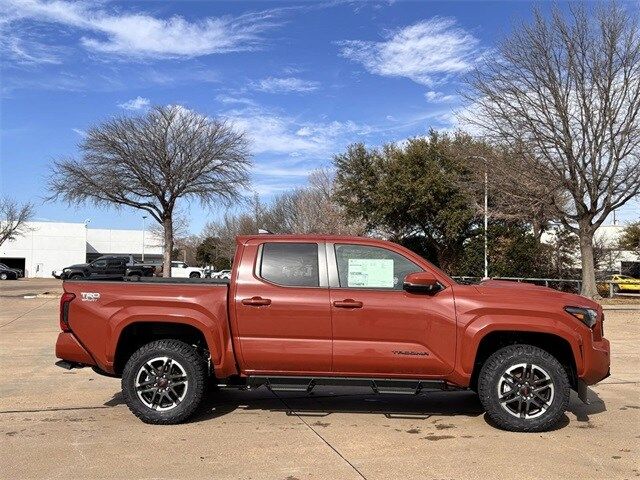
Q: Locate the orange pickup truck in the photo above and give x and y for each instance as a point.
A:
(302, 311)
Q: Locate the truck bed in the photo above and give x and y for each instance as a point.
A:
(154, 280)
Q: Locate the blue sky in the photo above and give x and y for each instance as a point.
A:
(303, 79)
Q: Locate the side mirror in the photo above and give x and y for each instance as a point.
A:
(421, 282)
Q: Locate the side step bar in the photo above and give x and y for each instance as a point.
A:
(378, 385)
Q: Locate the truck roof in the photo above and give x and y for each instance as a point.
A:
(243, 239)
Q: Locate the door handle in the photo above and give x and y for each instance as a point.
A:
(256, 301)
(348, 303)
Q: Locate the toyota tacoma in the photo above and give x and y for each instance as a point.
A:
(302, 311)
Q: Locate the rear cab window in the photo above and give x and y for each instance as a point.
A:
(290, 264)
(364, 266)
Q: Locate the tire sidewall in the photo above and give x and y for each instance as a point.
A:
(506, 358)
(186, 406)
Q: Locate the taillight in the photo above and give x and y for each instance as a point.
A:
(65, 300)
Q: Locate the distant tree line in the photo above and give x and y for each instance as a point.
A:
(557, 111)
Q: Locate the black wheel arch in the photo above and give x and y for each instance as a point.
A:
(551, 343)
(137, 334)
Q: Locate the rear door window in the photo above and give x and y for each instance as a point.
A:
(290, 264)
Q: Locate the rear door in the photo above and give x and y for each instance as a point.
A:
(282, 314)
(98, 267)
(116, 266)
(378, 328)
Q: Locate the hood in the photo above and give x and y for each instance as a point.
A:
(529, 290)
(77, 265)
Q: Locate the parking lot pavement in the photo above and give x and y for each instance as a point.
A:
(30, 287)
(73, 424)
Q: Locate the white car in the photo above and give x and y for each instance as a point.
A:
(224, 274)
(182, 270)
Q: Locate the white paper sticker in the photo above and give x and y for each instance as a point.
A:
(370, 273)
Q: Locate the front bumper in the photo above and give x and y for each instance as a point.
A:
(69, 349)
(596, 362)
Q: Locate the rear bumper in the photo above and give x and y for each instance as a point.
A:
(597, 361)
(69, 349)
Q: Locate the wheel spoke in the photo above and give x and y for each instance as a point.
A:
(145, 384)
(509, 396)
(154, 405)
(541, 384)
(176, 398)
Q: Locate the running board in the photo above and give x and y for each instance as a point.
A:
(378, 385)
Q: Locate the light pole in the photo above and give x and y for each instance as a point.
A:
(486, 220)
(486, 215)
(144, 217)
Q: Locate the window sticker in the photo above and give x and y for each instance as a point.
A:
(370, 273)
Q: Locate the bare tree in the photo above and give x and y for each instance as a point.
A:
(568, 90)
(151, 161)
(13, 218)
(311, 209)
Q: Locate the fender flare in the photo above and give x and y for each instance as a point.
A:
(477, 330)
(219, 347)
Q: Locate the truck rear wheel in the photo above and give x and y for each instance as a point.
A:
(163, 382)
(524, 389)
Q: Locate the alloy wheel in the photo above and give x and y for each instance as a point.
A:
(525, 390)
(161, 383)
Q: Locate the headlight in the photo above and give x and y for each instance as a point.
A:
(587, 316)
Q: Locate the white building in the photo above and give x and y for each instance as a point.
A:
(606, 238)
(49, 246)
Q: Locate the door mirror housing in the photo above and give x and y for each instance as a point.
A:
(421, 282)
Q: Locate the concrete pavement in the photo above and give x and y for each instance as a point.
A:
(73, 424)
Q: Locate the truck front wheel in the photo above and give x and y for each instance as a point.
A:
(524, 389)
(163, 382)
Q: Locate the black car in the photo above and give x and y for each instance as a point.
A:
(7, 273)
(105, 267)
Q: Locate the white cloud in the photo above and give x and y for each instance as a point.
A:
(438, 97)
(138, 103)
(423, 52)
(29, 52)
(285, 85)
(232, 99)
(143, 35)
(276, 134)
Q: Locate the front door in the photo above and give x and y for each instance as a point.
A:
(282, 313)
(378, 328)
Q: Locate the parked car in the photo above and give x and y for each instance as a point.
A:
(302, 311)
(182, 270)
(7, 273)
(105, 267)
(624, 283)
(223, 274)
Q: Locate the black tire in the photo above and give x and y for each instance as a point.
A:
(193, 365)
(494, 375)
(616, 288)
(76, 276)
(194, 275)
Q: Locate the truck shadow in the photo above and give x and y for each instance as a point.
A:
(324, 401)
(581, 410)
